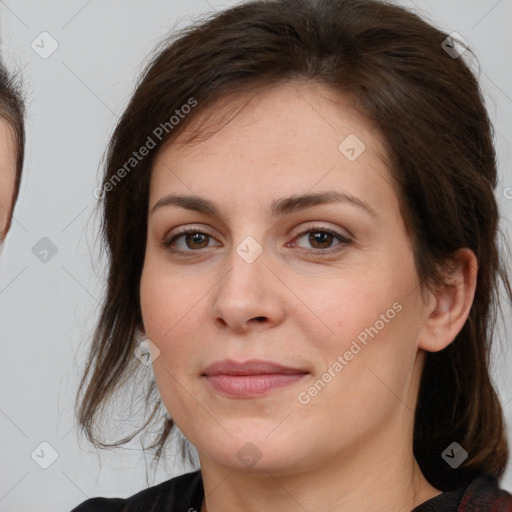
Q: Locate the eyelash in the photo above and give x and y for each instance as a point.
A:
(314, 229)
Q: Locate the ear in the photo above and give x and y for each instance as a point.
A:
(448, 308)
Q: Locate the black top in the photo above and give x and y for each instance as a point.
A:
(185, 494)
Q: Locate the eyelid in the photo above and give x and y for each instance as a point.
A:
(343, 233)
(183, 231)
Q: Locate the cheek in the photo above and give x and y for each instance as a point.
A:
(168, 316)
(339, 309)
(369, 321)
(170, 308)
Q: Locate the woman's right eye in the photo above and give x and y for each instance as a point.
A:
(188, 240)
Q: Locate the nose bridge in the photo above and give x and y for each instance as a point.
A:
(247, 265)
(248, 289)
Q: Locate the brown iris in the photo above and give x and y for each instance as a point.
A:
(321, 237)
(197, 238)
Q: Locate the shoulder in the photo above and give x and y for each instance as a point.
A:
(182, 492)
(481, 494)
(484, 493)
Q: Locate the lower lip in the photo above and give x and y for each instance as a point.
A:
(247, 386)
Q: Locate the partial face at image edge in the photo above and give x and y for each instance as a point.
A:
(7, 176)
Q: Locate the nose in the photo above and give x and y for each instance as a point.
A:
(249, 295)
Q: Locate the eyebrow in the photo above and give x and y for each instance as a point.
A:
(279, 207)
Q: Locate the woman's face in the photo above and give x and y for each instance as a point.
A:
(7, 175)
(327, 287)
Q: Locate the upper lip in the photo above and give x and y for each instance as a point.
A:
(252, 367)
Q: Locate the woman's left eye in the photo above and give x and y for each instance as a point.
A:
(321, 239)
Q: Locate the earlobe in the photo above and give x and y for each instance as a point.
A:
(448, 311)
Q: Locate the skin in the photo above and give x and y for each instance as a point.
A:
(350, 447)
(7, 175)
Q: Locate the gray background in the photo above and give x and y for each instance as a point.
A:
(48, 309)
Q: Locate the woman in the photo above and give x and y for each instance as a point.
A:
(12, 140)
(300, 219)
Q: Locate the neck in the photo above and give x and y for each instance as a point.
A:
(366, 479)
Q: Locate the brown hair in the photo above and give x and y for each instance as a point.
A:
(12, 110)
(429, 109)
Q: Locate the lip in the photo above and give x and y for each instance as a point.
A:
(251, 378)
(252, 367)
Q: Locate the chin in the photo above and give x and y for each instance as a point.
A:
(255, 451)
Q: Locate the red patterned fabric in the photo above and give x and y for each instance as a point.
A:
(481, 495)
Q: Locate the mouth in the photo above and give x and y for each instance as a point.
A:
(250, 379)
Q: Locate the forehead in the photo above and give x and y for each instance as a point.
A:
(291, 136)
